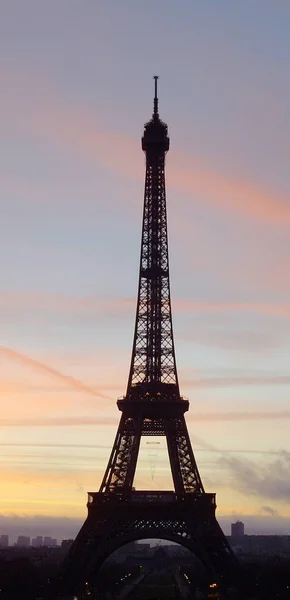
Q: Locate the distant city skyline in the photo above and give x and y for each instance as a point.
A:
(243, 544)
(63, 529)
(76, 89)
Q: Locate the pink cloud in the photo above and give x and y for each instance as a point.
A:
(70, 381)
(46, 115)
(10, 387)
(94, 305)
(21, 300)
(266, 308)
(228, 193)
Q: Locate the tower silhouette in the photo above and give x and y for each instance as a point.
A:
(152, 406)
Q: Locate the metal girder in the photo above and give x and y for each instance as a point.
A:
(122, 463)
(183, 465)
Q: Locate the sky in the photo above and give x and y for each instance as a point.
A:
(76, 90)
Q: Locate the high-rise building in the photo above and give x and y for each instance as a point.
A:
(238, 529)
(4, 541)
(49, 541)
(66, 544)
(37, 541)
(23, 541)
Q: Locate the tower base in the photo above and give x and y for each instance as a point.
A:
(117, 519)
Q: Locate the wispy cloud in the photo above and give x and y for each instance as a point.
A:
(244, 380)
(78, 132)
(231, 194)
(266, 479)
(264, 308)
(59, 421)
(22, 300)
(240, 336)
(209, 447)
(196, 440)
(55, 373)
(271, 480)
(51, 445)
(241, 416)
(268, 510)
(111, 420)
(199, 444)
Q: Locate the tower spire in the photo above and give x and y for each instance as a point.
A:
(155, 111)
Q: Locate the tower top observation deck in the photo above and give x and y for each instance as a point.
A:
(155, 138)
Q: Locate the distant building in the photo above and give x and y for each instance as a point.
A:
(66, 544)
(37, 541)
(261, 545)
(49, 541)
(4, 541)
(238, 529)
(23, 541)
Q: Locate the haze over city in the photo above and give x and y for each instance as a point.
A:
(76, 89)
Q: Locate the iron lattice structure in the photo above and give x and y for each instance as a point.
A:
(152, 406)
(153, 357)
(153, 389)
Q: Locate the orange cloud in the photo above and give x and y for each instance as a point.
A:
(10, 387)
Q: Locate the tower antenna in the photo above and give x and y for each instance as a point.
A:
(155, 112)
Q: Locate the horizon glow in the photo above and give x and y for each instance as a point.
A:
(76, 90)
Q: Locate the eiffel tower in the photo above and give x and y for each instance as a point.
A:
(152, 406)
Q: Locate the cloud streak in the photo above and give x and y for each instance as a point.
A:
(220, 382)
(21, 300)
(59, 421)
(264, 308)
(230, 194)
(268, 481)
(196, 440)
(77, 132)
(241, 416)
(70, 381)
(110, 420)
